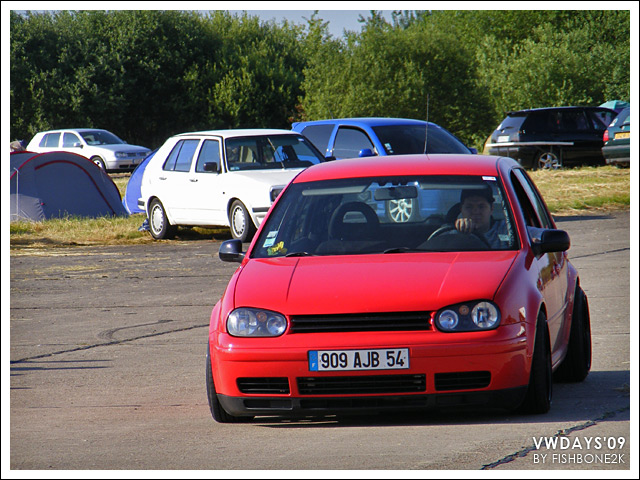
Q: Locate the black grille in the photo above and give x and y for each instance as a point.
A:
(361, 384)
(265, 385)
(462, 380)
(361, 322)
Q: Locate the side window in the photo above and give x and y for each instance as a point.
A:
(572, 121)
(181, 156)
(319, 135)
(69, 140)
(50, 140)
(210, 152)
(349, 142)
(535, 212)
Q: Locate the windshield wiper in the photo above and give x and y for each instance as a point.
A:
(299, 254)
(398, 250)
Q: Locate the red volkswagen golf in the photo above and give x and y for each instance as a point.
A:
(397, 283)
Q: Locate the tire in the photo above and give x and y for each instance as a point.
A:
(576, 365)
(547, 160)
(401, 211)
(99, 162)
(218, 413)
(159, 225)
(540, 389)
(240, 222)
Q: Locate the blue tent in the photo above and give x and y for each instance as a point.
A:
(132, 192)
(60, 184)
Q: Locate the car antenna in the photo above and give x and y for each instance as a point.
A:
(426, 128)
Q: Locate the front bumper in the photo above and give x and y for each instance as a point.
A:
(446, 370)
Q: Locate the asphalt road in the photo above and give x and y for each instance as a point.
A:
(107, 348)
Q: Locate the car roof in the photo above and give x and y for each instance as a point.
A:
(238, 132)
(366, 121)
(55, 130)
(543, 109)
(398, 165)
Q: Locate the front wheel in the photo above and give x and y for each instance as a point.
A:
(159, 225)
(242, 227)
(540, 389)
(218, 413)
(99, 162)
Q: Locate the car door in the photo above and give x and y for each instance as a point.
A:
(174, 187)
(553, 267)
(574, 126)
(206, 185)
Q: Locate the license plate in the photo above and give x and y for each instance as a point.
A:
(503, 138)
(344, 360)
(622, 135)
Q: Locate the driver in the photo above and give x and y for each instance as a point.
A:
(476, 206)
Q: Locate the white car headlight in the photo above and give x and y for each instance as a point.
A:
(468, 317)
(253, 322)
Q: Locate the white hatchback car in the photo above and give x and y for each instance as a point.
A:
(221, 178)
(100, 146)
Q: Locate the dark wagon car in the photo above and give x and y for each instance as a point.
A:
(617, 140)
(553, 137)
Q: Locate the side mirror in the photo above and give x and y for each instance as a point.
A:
(329, 158)
(211, 167)
(77, 145)
(231, 251)
(546, 241)
(366, 152)
(474, 150)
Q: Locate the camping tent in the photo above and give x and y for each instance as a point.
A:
(132, 192)
(60, 184)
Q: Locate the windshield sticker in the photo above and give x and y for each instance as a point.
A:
(277, 249)
(489, 179)
(271, 239)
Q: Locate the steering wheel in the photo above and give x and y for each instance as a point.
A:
(474, 236)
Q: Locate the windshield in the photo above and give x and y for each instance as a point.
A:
(409, 139)
(387, 215)
(100, 137)
(270, 151)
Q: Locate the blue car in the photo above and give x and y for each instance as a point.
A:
(364, 137)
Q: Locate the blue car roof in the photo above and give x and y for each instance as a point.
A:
(366, 121)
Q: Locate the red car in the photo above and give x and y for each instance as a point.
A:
(335, 308)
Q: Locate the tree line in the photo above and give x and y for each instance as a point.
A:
(146, 75)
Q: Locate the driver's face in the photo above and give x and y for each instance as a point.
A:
(479, 210)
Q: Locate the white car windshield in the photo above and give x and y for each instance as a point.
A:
(388, 215)
(270, 152)
(100, 137)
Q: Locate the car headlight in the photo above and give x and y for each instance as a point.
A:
(122, 154)
(253, 322)
(468, 317)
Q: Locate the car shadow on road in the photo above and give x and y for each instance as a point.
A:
(603, 396)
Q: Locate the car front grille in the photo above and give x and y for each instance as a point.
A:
(264, 385)
(462, 380)
(361, 322)
(369, 384)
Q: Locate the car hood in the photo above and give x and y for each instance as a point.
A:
(266, 177)
(370, 283)
(120, 147)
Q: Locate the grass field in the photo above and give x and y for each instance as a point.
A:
(567, 192)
